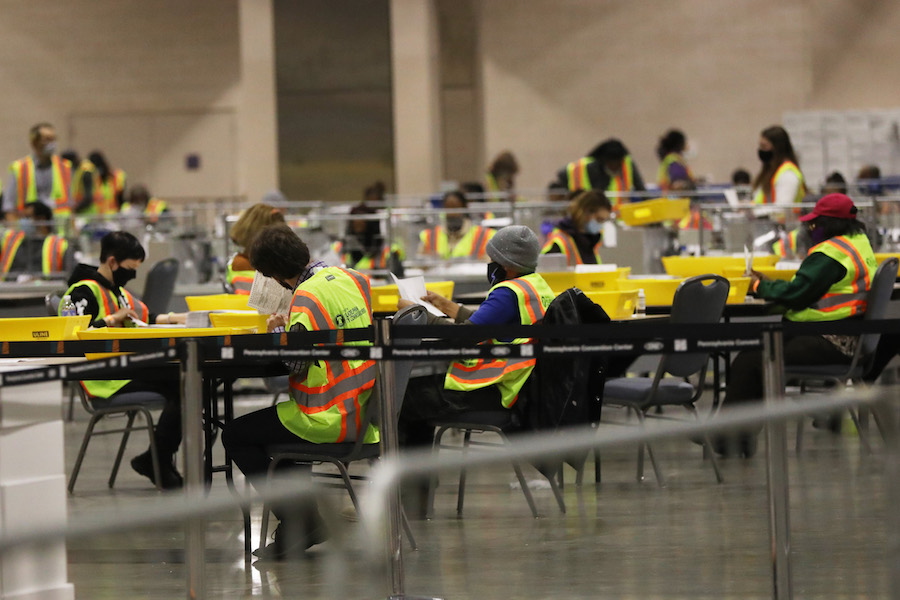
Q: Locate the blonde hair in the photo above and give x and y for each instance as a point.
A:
(587, 203)
(252, 221)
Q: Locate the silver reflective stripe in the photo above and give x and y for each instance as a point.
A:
(838, 299)
(363, 282)
(350, 384)
(857, 260)
(479, 240)
(320, 319)
(478, 373)
(241, 285)
(531, 298)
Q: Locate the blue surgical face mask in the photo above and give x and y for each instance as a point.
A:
(594, 227)
(26, 225)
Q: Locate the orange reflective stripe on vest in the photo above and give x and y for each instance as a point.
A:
(136, 305)
(53, 251)
(856, 300)
(533, 300)
(11, 242)
(566, 244)
(305, 302)
(362, 282)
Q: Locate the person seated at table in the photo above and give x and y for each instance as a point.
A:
(517, 296)
(100, 292)
(459, 238)
(578, 236)
(364, 246)
(328, 397)
(33, 248)
(609, 167)
(829, 286)
(238, 272)
(141, 203)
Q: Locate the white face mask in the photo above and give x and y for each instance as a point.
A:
(594, 227)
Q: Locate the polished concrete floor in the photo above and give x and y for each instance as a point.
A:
(621, 539)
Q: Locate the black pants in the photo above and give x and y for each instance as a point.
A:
(245, 440)
(745, 381)
(427, 401)
(168, 426)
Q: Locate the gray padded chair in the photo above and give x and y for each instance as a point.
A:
(128, 404)
(877, 301)
(160, 285)
(340, 455)
(698, 299)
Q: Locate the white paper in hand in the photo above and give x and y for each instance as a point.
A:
(748, 260)
(412, 289)
(268, 297)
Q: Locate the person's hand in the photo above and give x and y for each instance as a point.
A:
(402, 303)
(275, 321)
(755, 278)
(448, 307)
(117, 318)
(177, 318)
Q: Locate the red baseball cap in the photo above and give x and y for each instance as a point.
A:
(839, 206)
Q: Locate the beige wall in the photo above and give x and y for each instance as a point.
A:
(147, 81)
(561, 75)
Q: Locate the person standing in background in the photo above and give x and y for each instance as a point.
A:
(779, 181)
(609, 167)
(109, 185)
(673, 172)
(42, 176)
(500, 179)
(82, 182)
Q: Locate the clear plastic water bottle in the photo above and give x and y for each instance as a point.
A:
(67, 307)
(641, 308)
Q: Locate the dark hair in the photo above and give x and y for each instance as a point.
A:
(472, 187)
(278, 252)
(740, 177)
(834, 226)
(121, 245)
(782, 150)
(835, 182)
(504, 164)
(869, 172)
(71, 156)
(375, 192)
(673, 141)
(458, 195)
(611, 149)
(35, 130)
(99, 161)
(41, 211)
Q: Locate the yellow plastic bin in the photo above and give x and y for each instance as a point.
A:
(218, 302)
(654, 211)
(30, 329)
(737, 293)
(560, 281)
(385, 297)
(657, 292)
(603, 281)
(690, 266)
(136, 333)
(247, 319)
(618, 304)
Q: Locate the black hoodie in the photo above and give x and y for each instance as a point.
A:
(83, 297)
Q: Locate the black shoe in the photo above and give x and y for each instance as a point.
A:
(280, 549)
(171, 478)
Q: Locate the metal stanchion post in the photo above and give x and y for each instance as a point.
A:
(776, 466)
(192, 449)
(390, 448)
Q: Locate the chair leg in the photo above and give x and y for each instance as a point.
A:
(461, 492)
(525, 490)
(122, 444)
(154, 454)
(659, 477)
(275, 398)
(707, 446)
(435, 449)
(264, 526)
(557, 491)
(70, 416)
(408, 529)
(83, 450)
(863, 435)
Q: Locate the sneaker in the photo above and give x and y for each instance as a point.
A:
(171, 478)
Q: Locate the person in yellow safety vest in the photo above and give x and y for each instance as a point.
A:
(141, 202)
(779, 181)
(579, 236)
(33, 248)
(108, 192)
(328, 398)
(82, 182)
(830, 285)
(459, 237)
(792, 244)
(363, 246)
(500, 178)
(100, 293)
(40, 177)
(673, 167)
(608, 167)
(238, 272)
(518, 296)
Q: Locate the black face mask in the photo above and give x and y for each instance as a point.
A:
(495, 273)
(285, 285)
(454, 224)
(765, 155)
(121, 276)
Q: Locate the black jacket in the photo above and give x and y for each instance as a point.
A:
(83, 297)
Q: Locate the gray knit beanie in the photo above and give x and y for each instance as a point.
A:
(516, 247)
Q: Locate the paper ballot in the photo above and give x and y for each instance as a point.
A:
(748, 260)
(412, 289)
(268, 297)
